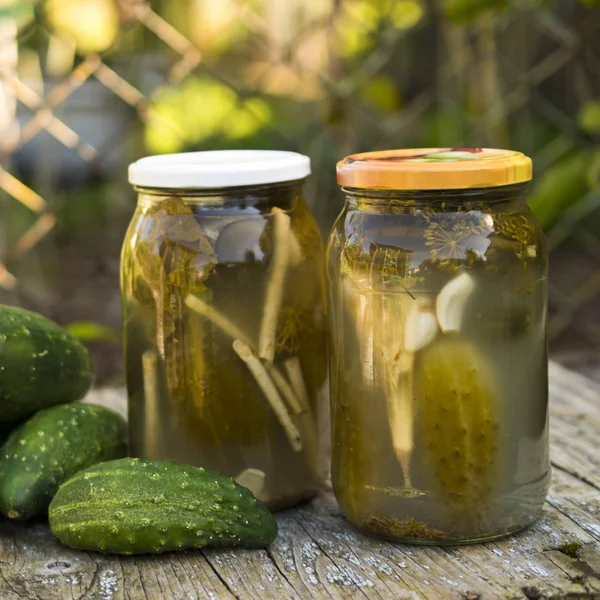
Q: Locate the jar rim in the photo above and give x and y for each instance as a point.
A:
(434, 169)
(217, 169)
(199, 193)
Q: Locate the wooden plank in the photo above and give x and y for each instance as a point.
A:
(33, 564)
(575, 424)
(318, 555)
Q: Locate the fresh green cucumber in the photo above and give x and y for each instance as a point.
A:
(51, 447)
(40, 364)
(134, 506)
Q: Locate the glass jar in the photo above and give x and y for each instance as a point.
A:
(437, 276)
(222, 281)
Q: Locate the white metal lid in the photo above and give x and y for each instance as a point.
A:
(218, 169)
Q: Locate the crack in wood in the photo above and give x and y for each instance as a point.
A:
(220, 577)
(576, 475)
(342, 570)
(137, 568)
(281, 571)
(10, 587)
(92, 579)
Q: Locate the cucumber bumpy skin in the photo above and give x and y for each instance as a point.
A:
(135, 506)
(50, 448)
(458, 410)
(41, 364)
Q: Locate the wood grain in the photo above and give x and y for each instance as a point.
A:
(318, 555)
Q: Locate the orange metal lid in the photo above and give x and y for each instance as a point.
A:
(434, 169)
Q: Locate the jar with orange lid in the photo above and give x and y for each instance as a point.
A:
(437, 276)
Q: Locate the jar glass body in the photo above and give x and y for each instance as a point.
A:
(439, 385)
(224, 339)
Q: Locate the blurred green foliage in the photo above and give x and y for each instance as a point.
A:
(589, 117)
(199, 110)
(463, 11)
(323, 78)
(359, 24)
(17, 9)
(560, 187)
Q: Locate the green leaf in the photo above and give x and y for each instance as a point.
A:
(589, 3)
(593, 175)
(560, 187)
(589, 117)
(380, 92)
(444, 127)
(463, 11)
(16, 9)
(88, 331)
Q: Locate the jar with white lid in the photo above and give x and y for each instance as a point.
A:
(222, 291)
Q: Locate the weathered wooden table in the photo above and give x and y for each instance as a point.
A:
(318, 555)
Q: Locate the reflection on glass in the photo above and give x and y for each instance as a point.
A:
(439, 395)
(224, 336)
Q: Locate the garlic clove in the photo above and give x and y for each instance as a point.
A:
(240, 238)
(421, 325)
(253, 479)
(452, 300)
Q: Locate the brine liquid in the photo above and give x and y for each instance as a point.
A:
(439, 433)
(192, 398)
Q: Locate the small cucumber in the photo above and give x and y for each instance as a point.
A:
(457, 396)
(135, 506)
(51, 447)
(40, 364)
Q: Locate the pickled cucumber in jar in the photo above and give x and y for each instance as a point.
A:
(438, 353)
(223, 292)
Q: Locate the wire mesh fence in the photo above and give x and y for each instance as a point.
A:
(87, 86)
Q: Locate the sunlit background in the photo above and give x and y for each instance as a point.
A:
(88, 86)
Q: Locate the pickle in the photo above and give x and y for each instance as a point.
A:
(228, 312)
(352, 466)
(458, 419)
